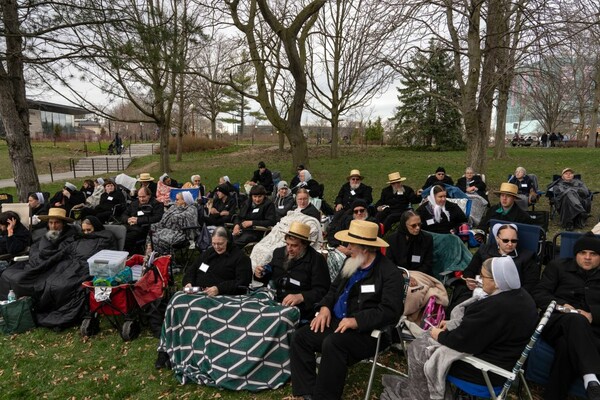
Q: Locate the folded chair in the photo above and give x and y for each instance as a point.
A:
(377, 333)
(566, 241)
(501, 392)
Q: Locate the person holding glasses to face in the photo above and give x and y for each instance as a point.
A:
(411, 247)
(506, 245)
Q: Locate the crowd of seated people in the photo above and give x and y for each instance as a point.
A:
(297, 272)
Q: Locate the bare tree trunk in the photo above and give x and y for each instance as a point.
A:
(13, 105)
(181, 115)
(595, 107)
(213, 129)
(500, 136)
(335, 128)
(281, 141)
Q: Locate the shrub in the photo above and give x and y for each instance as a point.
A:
(192, 144)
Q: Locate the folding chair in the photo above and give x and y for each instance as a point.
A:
(6, 198)
(531, 237)
(378, 334)
(567, 242)
(501, 392)
(550, 194)
(120, 232)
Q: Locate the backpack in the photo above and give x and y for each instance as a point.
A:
(203, 241)
(433, 314)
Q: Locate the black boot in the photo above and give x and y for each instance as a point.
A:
(593, 390)
(162, 361)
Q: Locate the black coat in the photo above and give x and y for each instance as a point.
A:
(564, 281)
(311, 211)
(265, 179)
(230, 272)
(457, 217)
(515, 214)
(146, 213)
(433, 180)
(476, 181)
(228, 205)
(413, 253)
(398, 202)
(283, 205)
(527, 265)
(495, 329)
(16, 243)
(346, 195)
(261, 215)
(372, 309)
(525, 185)
(308, 275)
(109, 200)
(313, 187)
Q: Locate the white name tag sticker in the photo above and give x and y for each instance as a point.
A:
(352, 192)
(109, 198)
(203, 267)
(294, 282)
(415, 258)
(430, 221)
(140, 213)
(280, 207)
(523, 185)
(367, 288)
(255, 210)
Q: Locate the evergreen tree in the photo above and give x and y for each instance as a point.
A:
(374, 131)
(427, 115)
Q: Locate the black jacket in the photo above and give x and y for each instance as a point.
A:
(373, 309)
(495, 329)
(515, 214)
(398, 202)
(564, 281)
(414, 253)
(265, 179)
(283, 205)
(313, 187)
(109, 200)
(476, 181)
(230, 272)
(346, 195)
(527, 265)
(261, 215)
(146, 214)
(308, 275)
(311, 211)
(457, 217)
(17, 242)
(433, 180)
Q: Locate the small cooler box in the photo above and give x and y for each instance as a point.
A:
(107, 263)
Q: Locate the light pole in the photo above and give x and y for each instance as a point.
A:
(193, 127)
(141, 132)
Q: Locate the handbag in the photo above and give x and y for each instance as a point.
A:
(16, 316)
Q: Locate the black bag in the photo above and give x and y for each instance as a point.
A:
(16, 316)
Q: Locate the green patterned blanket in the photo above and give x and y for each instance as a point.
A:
(231, 342)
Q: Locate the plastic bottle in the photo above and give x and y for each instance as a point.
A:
(11, 296)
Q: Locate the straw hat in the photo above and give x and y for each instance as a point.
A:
(56, 213)
(509, 189)
(395, 177)
(362, 232)
(567, 169)
(145, 177)
(299, 230)
(355, 172)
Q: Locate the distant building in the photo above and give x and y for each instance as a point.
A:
(45, 118)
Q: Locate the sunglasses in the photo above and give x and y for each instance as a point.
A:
(359, 211)
(355, 179)
(513, 241)
(415, 225)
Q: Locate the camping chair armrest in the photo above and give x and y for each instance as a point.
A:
(262, 228)
(488, 367)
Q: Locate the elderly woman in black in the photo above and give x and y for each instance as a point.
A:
(14, 236)
(494, 328)
(223, 207)
(411, 247)
(506, 246)
(439, 215)
(258, 211)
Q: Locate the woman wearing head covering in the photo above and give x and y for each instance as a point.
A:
(506, 245)
(38, 206)
(410, 246)
(439, 215)
(494, 328)
(222, 209)
(112, 203)
(169, 230)
(310, 184)
(163, 190)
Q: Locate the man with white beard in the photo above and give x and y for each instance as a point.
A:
(366, 295)
(298, 272)
(352, 190)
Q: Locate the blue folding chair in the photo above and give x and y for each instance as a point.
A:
(567, 242)
(531, 237)
(488, 391)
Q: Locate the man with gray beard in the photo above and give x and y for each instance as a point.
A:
(366, 295)
(298, 272)
(352, 190)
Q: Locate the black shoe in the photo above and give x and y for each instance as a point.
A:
(593, 390)
(162, 361)
(569, 227)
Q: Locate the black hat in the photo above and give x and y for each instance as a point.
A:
(261, 164)
(359, 203)
(440, 169)
(589, 241)
(300, 167)
(222, 189)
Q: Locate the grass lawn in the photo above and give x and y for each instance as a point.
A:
(46, 364)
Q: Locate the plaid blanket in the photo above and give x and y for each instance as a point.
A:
(231, 342)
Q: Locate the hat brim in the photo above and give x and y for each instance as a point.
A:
(352, 176)
(397, 180)
(344, 236)
(297, 236)
(49, 217)
(499, 192)
(145, 180)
